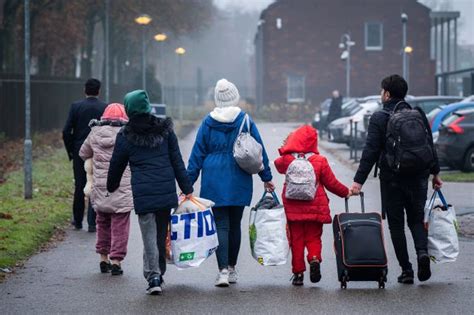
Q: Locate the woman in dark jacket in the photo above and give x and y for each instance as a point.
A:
(223, 181)
(149, 145)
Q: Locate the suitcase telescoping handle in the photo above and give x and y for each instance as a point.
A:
(362, 205)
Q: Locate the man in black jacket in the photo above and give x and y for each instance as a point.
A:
(400, 193)
(75, 133)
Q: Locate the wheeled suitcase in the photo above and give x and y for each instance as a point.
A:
(359, 246)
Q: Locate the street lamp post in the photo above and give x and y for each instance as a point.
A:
(408, 51)
(160, 38)
(107, 52)
(28, 158)
(404, 18)
(143, 20)
(346, 43)
(180, 51)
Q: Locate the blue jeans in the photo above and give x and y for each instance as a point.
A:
(229, 234)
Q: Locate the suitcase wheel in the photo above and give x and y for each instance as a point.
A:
(382, 283)
(343, 284)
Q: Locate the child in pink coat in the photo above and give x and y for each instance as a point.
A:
(113, 209)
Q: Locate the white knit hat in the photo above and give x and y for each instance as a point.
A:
(226, 94)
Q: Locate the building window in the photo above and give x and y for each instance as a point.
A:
(373, 36)
(296, 89)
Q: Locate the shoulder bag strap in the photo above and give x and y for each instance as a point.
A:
(245, 121)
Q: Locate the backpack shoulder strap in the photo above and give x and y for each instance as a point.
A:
(401, 103)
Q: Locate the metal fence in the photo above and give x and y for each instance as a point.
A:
(460, 82)
(51, 99)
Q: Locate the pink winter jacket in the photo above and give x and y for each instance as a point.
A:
(99, 146)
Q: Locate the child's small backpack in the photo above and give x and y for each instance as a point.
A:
(300, 178)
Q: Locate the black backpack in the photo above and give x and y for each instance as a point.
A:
(409, 145)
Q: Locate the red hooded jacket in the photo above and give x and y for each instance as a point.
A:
(305, 140)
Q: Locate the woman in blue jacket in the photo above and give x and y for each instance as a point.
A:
(222, 180)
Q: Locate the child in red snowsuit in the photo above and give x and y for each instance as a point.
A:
(306, 218)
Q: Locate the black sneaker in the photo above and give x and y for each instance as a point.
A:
(116, 270)
(91, 229)
(407, 277)
(77, 227)
(314, 271)
(154, 286)
(105, 267)
(297, 279)
(424, 271)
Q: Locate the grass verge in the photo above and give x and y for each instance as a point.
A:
(458, 177)
(27, 224)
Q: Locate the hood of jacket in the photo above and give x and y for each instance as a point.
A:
(224, 126)
(146, 130)
(106, 131)
(225, 114)
(302, 140)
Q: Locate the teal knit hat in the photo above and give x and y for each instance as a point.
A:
(137, 102)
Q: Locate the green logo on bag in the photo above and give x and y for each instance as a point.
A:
(186, 256)
(252, 235)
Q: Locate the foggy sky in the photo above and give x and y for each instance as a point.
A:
(465, 6)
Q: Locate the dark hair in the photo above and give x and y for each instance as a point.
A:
(92, 87)
(395, 85)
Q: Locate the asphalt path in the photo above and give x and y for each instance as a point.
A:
(66, 279)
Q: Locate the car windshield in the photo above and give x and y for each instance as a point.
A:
(355, 110)
(348, 107)
(429, 105)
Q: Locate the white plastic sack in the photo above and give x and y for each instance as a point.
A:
(193, 237)
(194, 204)
(268, 233)
(440, 218)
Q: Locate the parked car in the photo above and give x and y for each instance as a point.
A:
(428, 103)
(340, 129)
(469, 99)
(445, 113)
(320, 118)
(455, 144)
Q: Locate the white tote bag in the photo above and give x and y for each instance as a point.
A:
(268, 232)
(193, 236)
(440, 218)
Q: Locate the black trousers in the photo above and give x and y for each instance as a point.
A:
(406, 196)
(80, 180)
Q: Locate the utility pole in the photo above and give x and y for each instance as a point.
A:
(404, 17)
(107, 52)
(346, 43)
(28, 158)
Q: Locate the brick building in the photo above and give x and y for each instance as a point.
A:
(298, 58)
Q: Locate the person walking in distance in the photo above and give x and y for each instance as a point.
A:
(400, 143)
(335, 109)
(75, 133)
